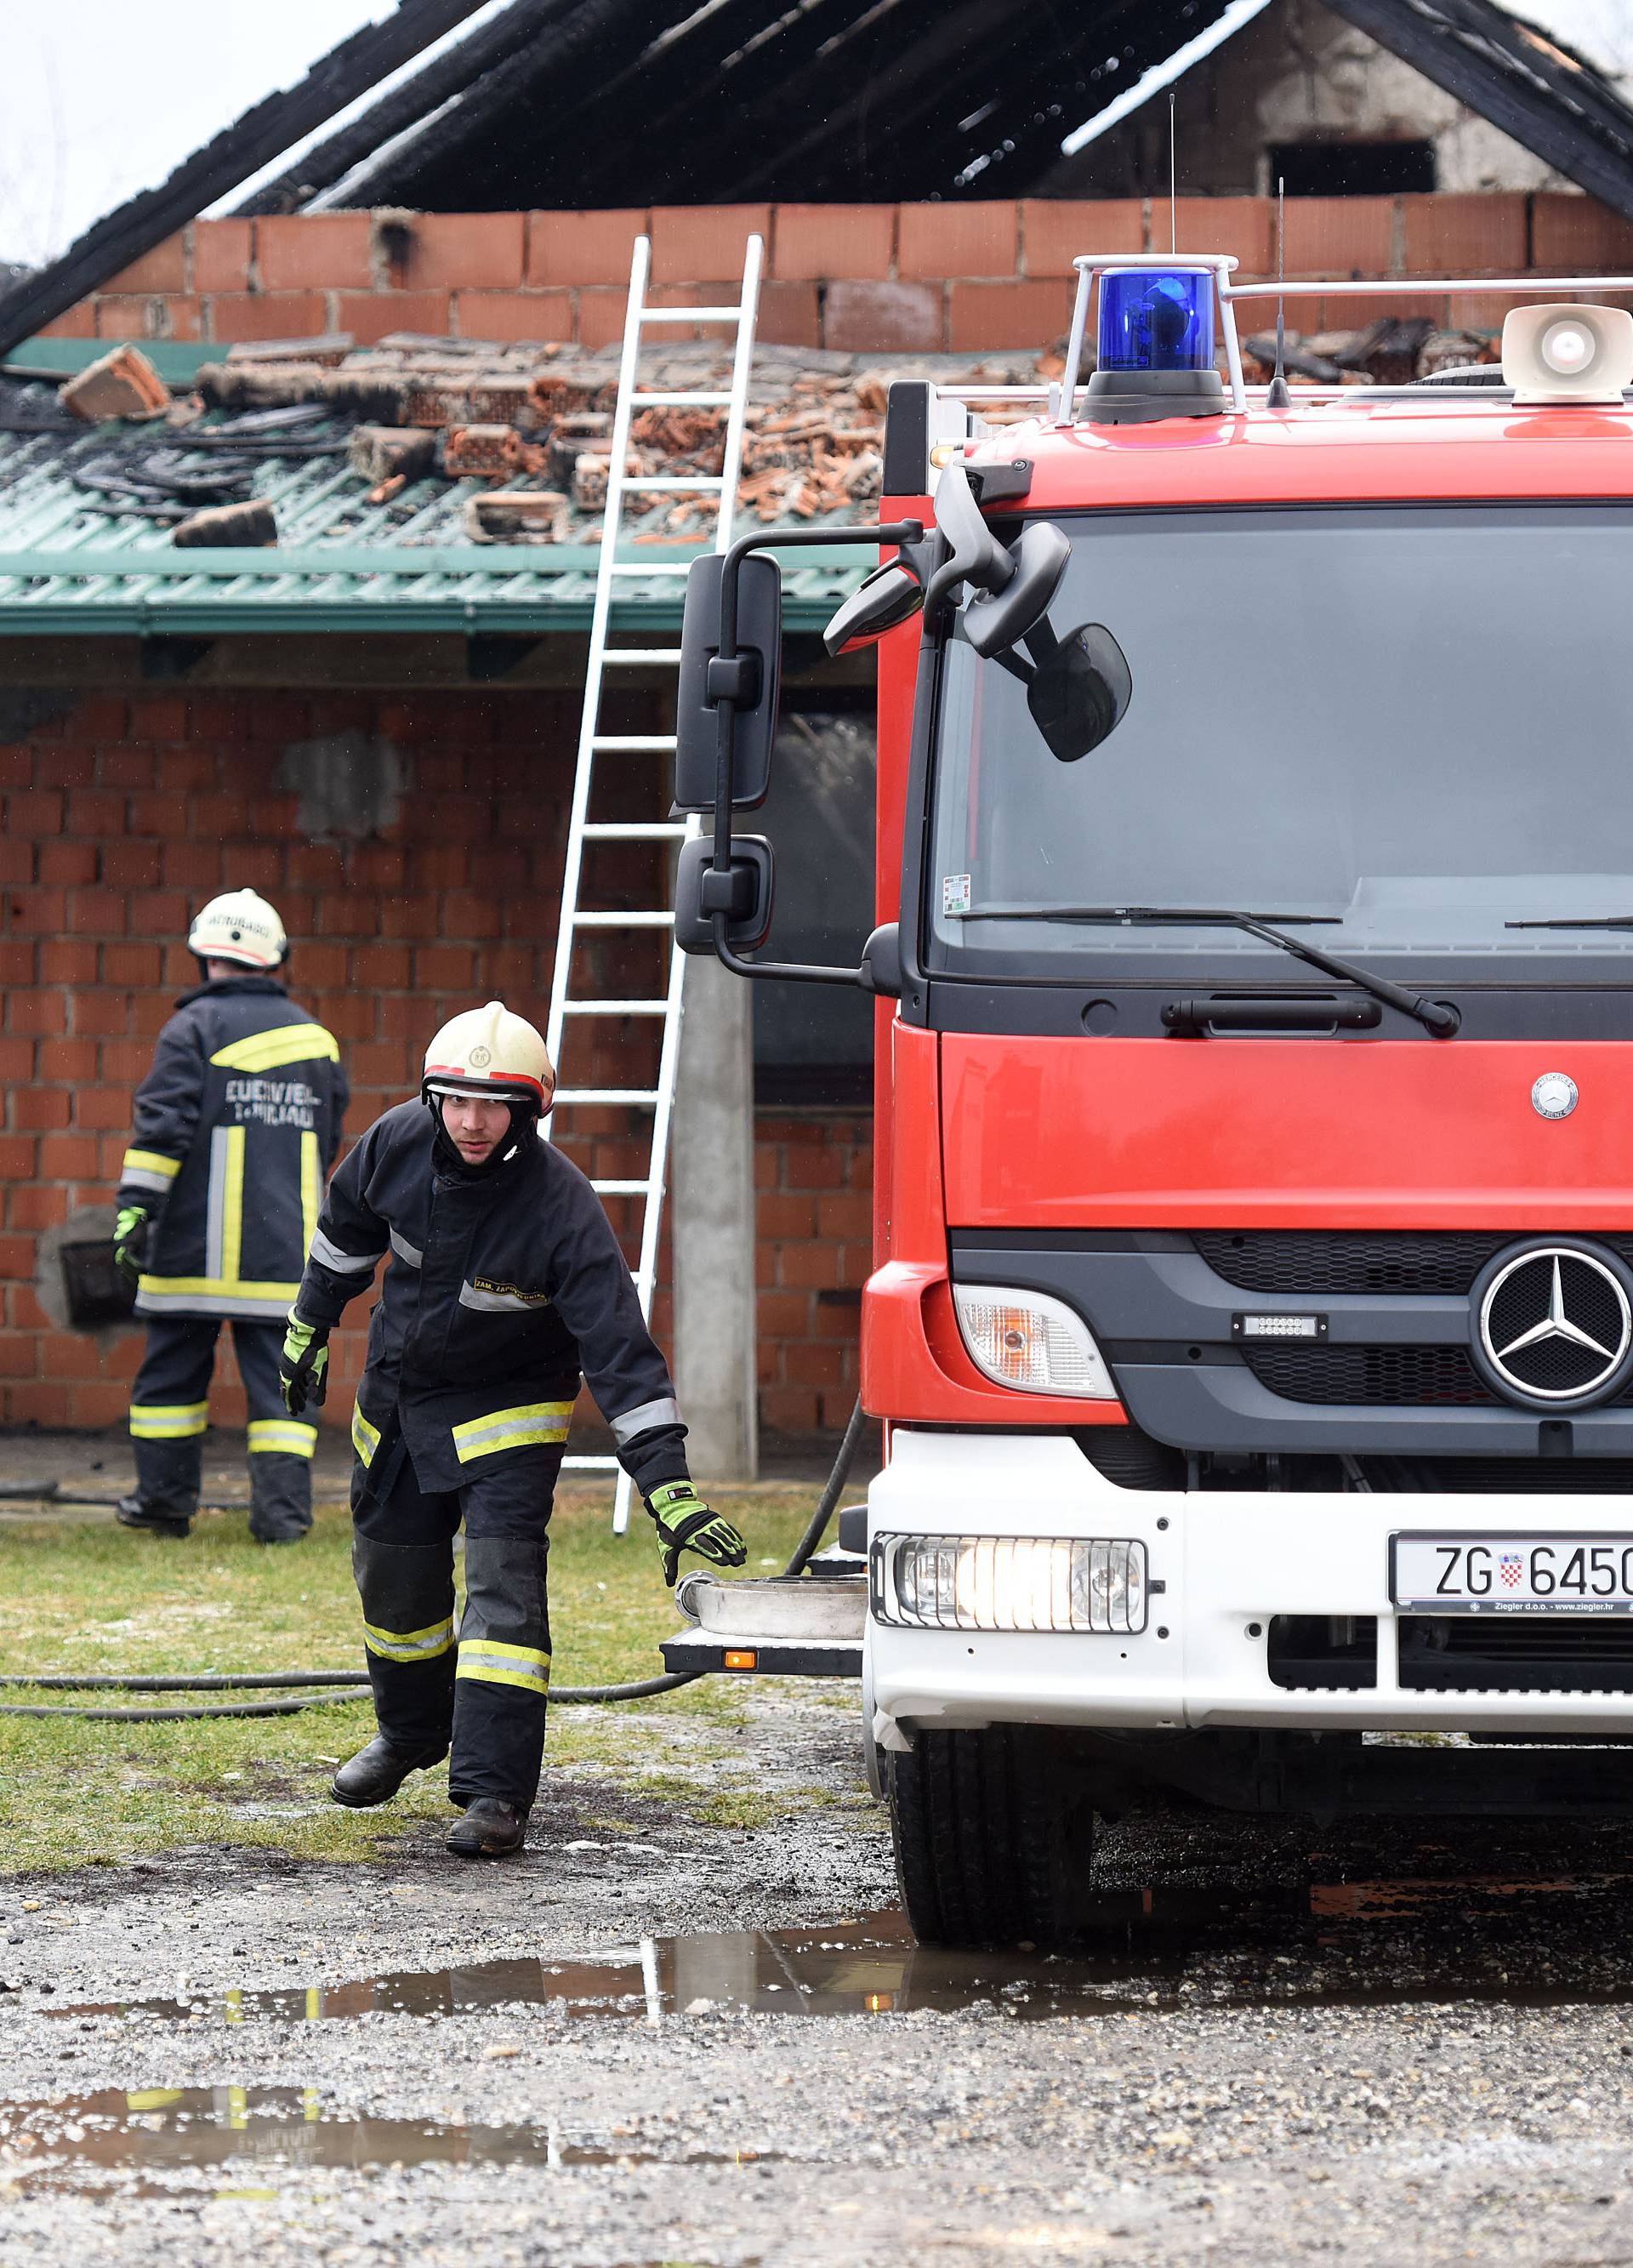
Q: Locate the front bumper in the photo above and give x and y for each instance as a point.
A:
(1228, 1563)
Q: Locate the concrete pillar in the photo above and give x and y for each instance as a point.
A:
(711, 1186)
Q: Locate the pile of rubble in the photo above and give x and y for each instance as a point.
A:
(1391, 352)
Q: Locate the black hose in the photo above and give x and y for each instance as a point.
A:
(642, 1688)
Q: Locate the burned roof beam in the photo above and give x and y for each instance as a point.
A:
(1547, 99)
(254, 140)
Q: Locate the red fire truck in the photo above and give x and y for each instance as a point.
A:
(1252, 1314)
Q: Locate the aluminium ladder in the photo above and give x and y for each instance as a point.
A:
(619, 571)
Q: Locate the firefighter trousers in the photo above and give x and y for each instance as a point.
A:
(170, 1414)
(482, 1695)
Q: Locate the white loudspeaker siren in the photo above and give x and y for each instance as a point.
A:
(1564, 352)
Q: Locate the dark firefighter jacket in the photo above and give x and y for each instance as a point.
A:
(237, 1125)
(503, 1287)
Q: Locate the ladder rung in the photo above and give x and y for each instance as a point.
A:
(649, 566)
(676, 480)
(642, 1094)
(693, 401)
(589, 1465)
(622, 921)
(691, 314)
(641, 656)
(633, 743)
(614, 1007)
(634, 830)
(621, 1189)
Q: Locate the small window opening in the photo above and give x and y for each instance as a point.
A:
(1352, 169)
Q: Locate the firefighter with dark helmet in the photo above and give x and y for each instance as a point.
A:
(506, 1284)
(237, 1125)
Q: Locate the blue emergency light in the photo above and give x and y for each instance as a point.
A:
(1154, 319)
(1155, 348)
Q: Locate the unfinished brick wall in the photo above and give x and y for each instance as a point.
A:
(868, 278)
(122, 816)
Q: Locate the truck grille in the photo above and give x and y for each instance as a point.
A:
(1517, 1653)
(1316, 1260)
(1383, 1377)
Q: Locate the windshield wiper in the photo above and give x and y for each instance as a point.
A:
(1436, 1016)
(1577, 921)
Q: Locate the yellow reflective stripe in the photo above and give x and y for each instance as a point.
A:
(232, 1206)
(152, 2098)
(152, 1421)
(150, 1161)
(311, 1190)
(531, 1426)
(223, 1287)
(489, 1663)
(409, 1646)
(283, 1435)
(365, 1439)
(284, 1044)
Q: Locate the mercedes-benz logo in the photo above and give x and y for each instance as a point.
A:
(1554, 1324)
(1554, 1096)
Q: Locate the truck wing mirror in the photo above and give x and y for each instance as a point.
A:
(890, 596)
(742, 892)
(1079, 690)
(749, 682)
(997, 623)
(975, 556)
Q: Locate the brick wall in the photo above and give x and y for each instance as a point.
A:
(122, 815)
(858, 277)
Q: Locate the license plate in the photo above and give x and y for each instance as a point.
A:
(1511, 1574)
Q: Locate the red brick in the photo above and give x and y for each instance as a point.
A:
(813, 242)
(851, 1215)
(222, 817)
(36, 912)
(32, 1402)
(126, 318)
(319, 864)
(805, 1365)
(64, 767)
(179, 315)
(1339, 236)
(812, 1264)
(387, 1064)
(101, 1109)
(33, 811)
(269, 315)
(17, 1155)
(100, 913)
(601, 316)
(127, 864)
(444, 968)
(787, 1216)
(20, 767)
(789, 1409)
(125, 1062)
(1570, 232)
(349, 1015)
(17, 861)
(693, 240)
(79, 323)
(159, 913)
(19, 1351)
(148, 1011)
(1482, 311)
(67, 1158)
(790, 315)
(110, 1149)
(463, 252)
(587, 248)
(438, 866)
(273, 814)
(510, 315)
(96, 813)
(370, 316)
(67, 862)
(933, 240)
(221, 255)
(65, 1354)
(470, 913)
(17, 961)
(720, 293)
(883, 318)
(185, 768)
(72, 1060)
(1053, 232)
(36, 1206)
(381, 966)
(67, 961)
(1242, 225)
(105, 1401)
(37, 1109)
(130, 965)
(813, 1167)
(1479, 234)
(313, 252)
(158, 717)
(1030, 315)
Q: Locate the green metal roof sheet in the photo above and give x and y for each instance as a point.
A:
(72, 561)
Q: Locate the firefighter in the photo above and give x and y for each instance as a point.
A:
(237, 1125)
(506, 1282)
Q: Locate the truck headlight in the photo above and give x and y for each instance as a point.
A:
(1027, 1340)
(1010, 1583)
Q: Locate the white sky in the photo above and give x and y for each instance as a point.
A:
(99, 98)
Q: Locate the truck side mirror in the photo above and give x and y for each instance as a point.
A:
(747, 683)
(1079, 691)
(890, 596)
(742, 892)
(998, 622)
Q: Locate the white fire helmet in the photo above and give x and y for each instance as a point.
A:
(239, 926)
(489, 1051)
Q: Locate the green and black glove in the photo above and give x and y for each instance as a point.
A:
(685, 1523)
(303, 1366)
(131, 1225)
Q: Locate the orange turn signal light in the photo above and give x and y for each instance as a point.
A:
(740, 1657)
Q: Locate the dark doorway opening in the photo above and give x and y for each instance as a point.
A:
(1352, 169)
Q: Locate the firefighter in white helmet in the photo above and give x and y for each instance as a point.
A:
(506, 1284)
(237, 1125)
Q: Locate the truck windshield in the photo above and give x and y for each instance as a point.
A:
(1413, 725)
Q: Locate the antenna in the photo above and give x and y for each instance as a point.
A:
(1278, 396)
(1174, 182)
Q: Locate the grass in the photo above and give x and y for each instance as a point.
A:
(95, 1599)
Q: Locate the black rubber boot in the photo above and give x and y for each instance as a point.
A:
(489, 1829)
(375, 1773)
(132, 1512)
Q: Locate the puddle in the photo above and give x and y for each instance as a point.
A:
(1535, 1941)
(42, 2143)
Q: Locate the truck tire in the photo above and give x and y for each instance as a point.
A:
(992, 1848)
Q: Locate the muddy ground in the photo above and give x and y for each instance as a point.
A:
(679, 2043)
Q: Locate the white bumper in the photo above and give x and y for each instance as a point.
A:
(1225, 1562)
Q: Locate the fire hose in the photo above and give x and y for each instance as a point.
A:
(348, 1680)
